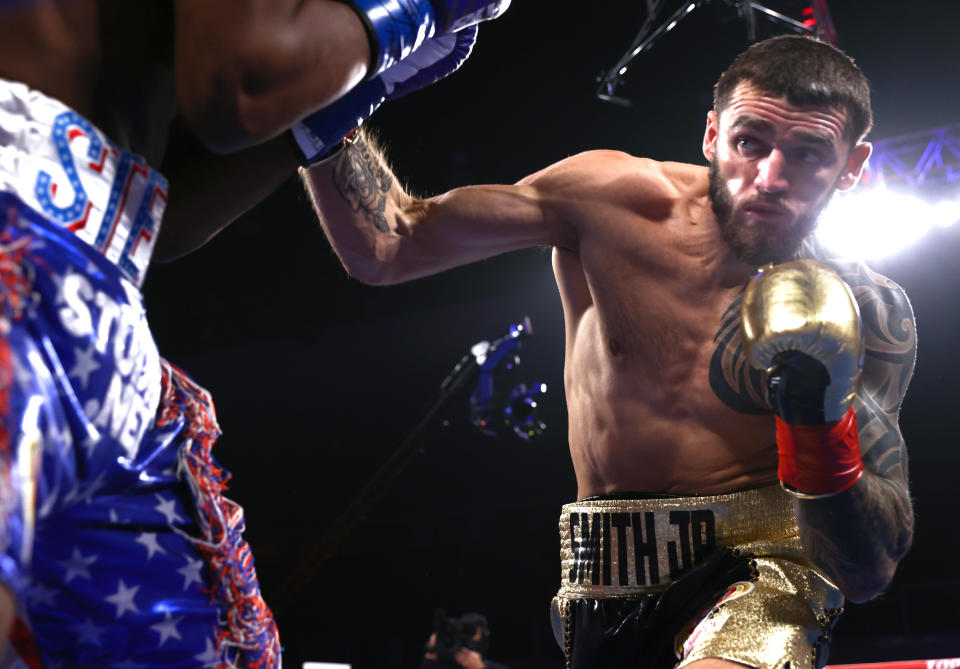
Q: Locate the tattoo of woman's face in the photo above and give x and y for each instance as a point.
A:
(363, 182)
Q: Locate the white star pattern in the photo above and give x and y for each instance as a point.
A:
(209, 656)
(166, 508)
(78, 565)
(57, 440)
(191, 572)
(84, 364)
(149, 540)
(123, 598)
(167, 629)
(93, 488)
(38, 594)
(76, 495)
(89, 633)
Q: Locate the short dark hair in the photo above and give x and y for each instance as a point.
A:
(806, 72)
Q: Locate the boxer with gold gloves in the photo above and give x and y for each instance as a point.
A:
(731, 495)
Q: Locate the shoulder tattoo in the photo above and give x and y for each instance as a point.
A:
(890, 339)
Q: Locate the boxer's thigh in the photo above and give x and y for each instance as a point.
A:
(783, 616)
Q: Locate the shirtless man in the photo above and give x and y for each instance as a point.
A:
(678, 443)
(117, 547)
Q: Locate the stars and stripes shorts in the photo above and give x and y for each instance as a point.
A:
(117, 543)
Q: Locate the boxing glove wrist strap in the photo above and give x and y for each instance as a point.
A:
(326, 156)
(819, 460)
(394, 29)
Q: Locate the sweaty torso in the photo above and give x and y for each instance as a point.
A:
(658, 397)
(110, 60)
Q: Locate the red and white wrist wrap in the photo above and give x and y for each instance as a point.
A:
(819, 460)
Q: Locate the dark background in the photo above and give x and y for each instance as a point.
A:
(318, 378)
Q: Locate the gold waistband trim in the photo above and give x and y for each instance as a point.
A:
(618, 547)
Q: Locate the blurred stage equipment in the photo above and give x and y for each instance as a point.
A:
(492, 412)
(518, 412)
(804, 17)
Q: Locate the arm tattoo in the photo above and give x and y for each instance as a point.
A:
(860, 534)
(891, 347)
(363, 182)
(737, 384)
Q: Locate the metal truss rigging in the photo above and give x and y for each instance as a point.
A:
(927, 161)
(806, 17)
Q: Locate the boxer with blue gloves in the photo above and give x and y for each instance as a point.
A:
(318, 135)
(394, 63)
(413, 44)
(118, 546)
(734, 433)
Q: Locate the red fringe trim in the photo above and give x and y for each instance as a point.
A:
(249, 638)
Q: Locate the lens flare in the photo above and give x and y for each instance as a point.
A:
(877, 223)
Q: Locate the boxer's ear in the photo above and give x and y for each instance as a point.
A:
(856, 161)
(710, 134)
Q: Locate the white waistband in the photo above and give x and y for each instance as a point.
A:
(58, 163)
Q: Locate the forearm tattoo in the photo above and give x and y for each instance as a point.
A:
(363, 182)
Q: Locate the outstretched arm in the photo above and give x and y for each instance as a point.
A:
(861, 534)
(383, 235)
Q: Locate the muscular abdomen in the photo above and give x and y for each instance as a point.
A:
(642, 332)
(654, 425)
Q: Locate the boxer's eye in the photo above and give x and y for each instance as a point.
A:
(808, 156)
(749, 146)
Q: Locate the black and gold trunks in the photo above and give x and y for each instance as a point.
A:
(658, 583)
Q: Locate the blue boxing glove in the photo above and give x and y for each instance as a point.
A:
(396, 28)
(321, 132)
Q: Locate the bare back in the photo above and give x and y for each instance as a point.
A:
(655, 387)
(110, 60)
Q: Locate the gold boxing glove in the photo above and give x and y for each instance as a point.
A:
(800, 323)
(804, 307)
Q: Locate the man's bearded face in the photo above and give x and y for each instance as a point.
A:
(773, 168)
(754, 241)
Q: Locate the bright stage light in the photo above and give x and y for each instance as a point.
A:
(876, 223)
